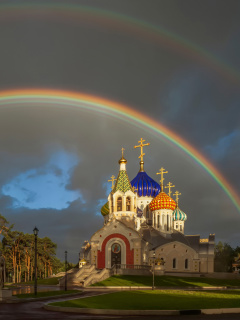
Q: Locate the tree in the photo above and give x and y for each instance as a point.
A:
(224, 256)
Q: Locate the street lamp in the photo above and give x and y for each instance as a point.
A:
(35, 232)
(153, 268)
(65, 270)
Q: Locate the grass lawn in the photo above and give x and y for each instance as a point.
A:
(166, 281)
(45, 294)
(47, 281)
(158, 300)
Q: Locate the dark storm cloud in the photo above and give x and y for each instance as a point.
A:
(189, 96)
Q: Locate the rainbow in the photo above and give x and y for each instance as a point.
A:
(123, 23)
(68, 99)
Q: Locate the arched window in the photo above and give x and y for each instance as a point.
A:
(128, 204)
(186, 263)
(147, 212)
(158, 221)
(176, 226)
(167, 222)
(119, 204)
(180, 227)
(174, 263)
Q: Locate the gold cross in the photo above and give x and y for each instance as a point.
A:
(135, 189)
(122, 151)
(169, 186)
(141, 146)
(177, 194)
(162, 173)
(112, 180)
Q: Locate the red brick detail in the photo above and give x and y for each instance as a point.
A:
(101, 253)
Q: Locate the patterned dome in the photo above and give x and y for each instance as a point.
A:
(105, 209)
(145, 185)
(162, 201)
(179, 215)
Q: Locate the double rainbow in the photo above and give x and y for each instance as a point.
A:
(68, 99)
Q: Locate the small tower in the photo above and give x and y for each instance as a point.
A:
(162, 207)
(122, 199)
(179, 217)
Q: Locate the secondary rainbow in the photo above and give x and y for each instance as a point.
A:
(79, 14)
(69, 99)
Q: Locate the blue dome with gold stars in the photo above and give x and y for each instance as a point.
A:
(145, 185)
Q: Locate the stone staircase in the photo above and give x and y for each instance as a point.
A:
(85, 276)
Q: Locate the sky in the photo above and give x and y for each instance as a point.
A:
(176, 62)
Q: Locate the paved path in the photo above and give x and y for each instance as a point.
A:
(34, 311)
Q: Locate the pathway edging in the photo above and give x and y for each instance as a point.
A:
(141, 312)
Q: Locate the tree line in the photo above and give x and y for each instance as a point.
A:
(18, 249)
(224, 257)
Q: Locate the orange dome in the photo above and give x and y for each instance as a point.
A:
(162, 201)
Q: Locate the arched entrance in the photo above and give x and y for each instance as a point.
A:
(115, 254)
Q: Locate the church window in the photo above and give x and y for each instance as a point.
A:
(158, 221)
(119, 204)
(186, 263)
(147, 212)
(174, 263)
(167, 222)
(180, 227)
(176, 226)
(128, 204)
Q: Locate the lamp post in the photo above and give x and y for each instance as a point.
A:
(35, 232)
(153, 268)
(65, 270)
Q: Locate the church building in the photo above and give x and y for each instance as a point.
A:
(145, 225)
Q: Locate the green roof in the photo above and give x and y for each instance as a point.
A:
(123, 184)
(105, 209)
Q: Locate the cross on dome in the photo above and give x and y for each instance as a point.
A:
(112, 180)
(169, 186)
(161, 172)
(177, 194)
(141, 145)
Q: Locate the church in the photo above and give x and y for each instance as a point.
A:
(143, 225)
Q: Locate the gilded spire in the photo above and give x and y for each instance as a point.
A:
(169, 186)
(122, 161)
(161, 172)
(177, 194)
(112, 180)
(141, 145)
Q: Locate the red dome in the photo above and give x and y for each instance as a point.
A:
(162, 201)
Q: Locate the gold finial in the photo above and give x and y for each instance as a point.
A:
(122, 160)
(141, 145)
(161, 172)
(169, 186)
(112, 180)
(177, 194)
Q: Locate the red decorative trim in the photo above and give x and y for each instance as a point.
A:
(101, 253)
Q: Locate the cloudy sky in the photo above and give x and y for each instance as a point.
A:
(175, 61)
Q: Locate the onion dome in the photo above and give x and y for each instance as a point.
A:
(162, 201)
(145, 185)
(179, 215)
(105, 209)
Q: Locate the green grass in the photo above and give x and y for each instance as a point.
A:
(47, 281)
(45, 294)
(158, 300)
(166, 281)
